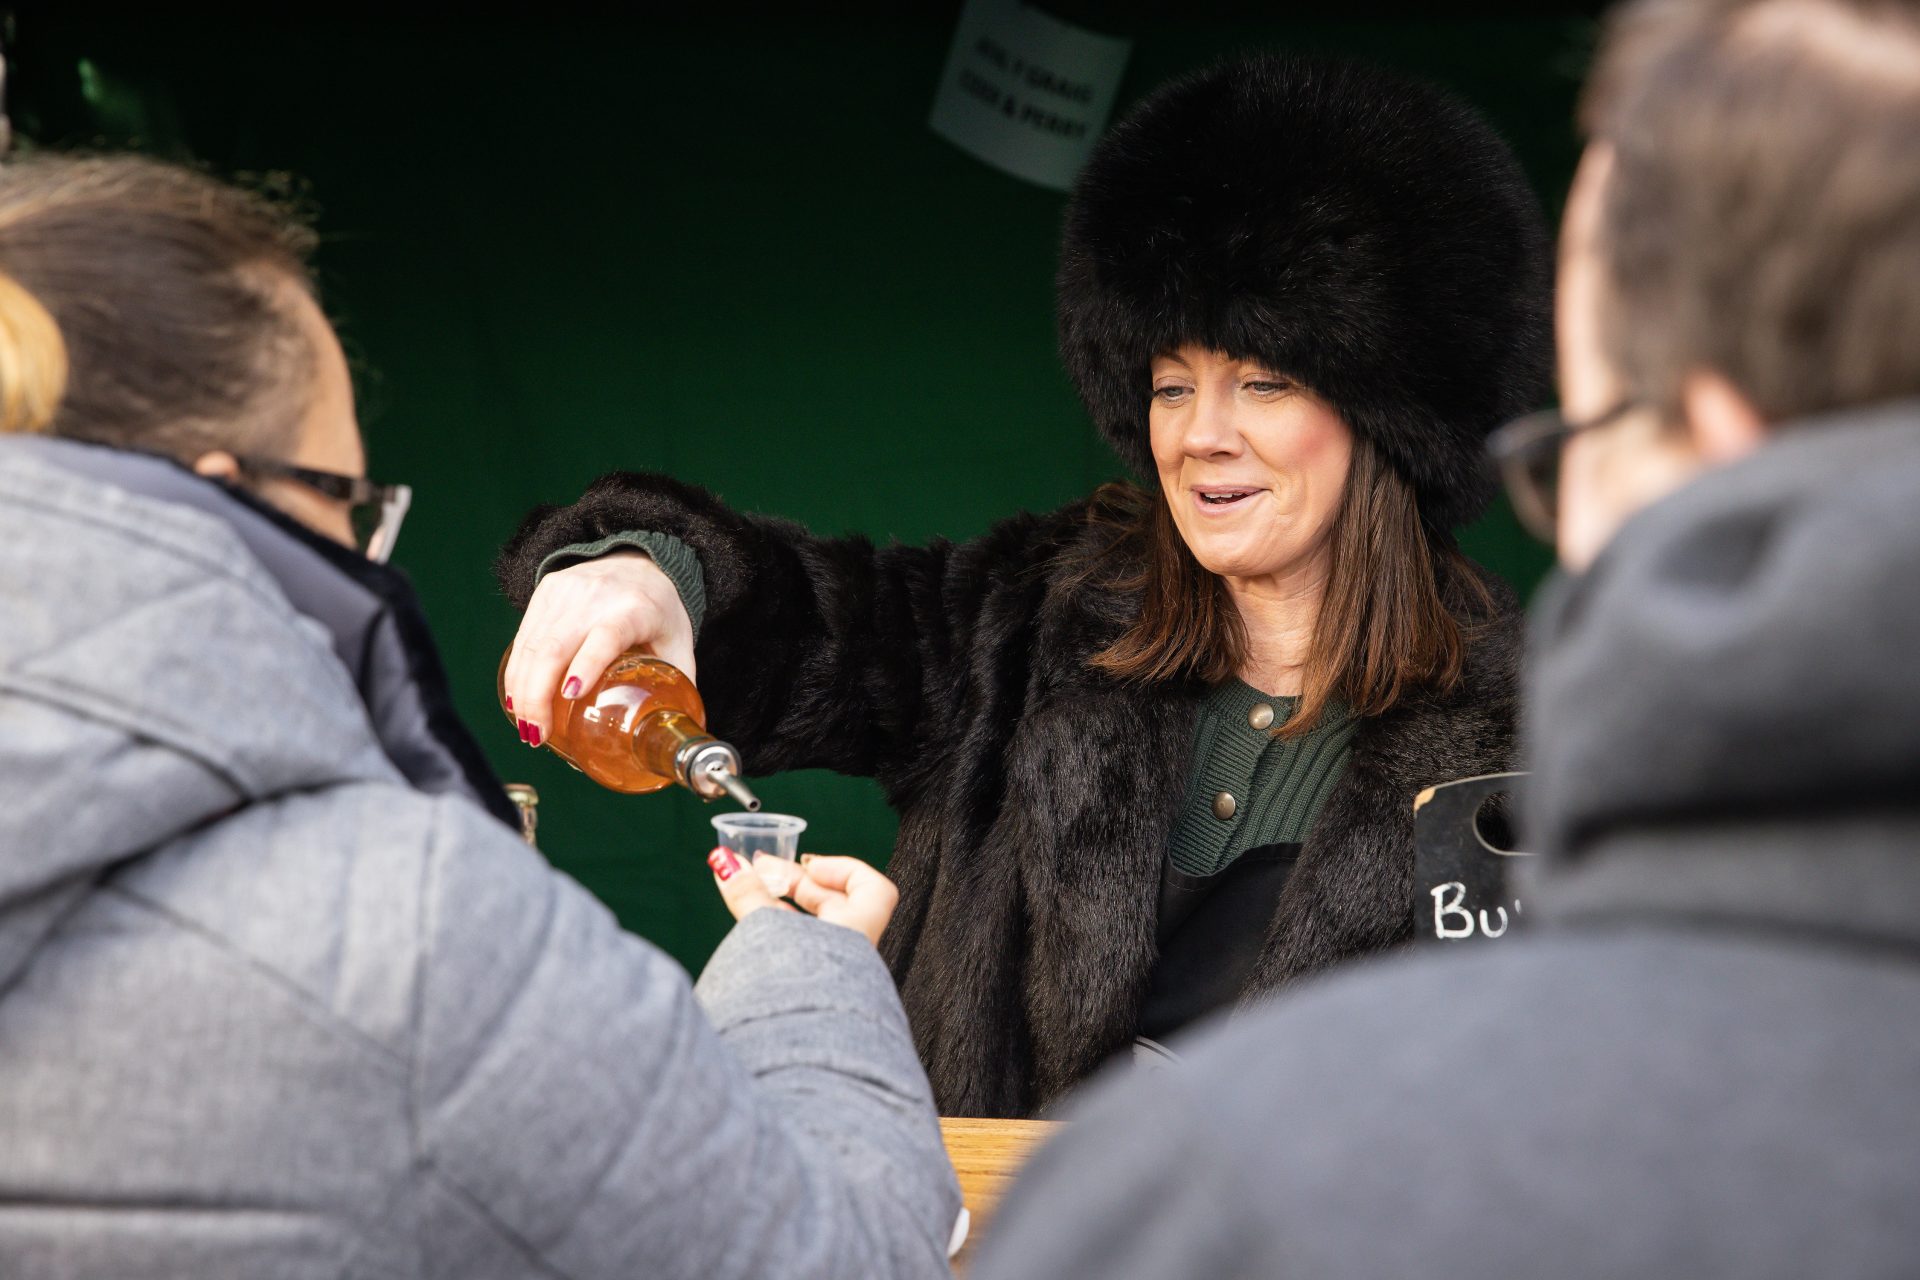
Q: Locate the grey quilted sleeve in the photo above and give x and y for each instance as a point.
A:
(581, 1115)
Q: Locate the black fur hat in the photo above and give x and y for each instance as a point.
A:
(1366, 234)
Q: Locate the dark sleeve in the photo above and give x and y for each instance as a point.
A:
(1131, 1189)
(827, 652)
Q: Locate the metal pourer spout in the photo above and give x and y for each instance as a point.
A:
(710, 768)
(737, 789)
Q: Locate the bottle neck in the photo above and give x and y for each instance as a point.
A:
(672, 744)
(665, 741)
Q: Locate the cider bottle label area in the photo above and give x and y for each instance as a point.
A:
(642, 727)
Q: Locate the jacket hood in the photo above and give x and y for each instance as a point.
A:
(1724, 712)
(155, 674)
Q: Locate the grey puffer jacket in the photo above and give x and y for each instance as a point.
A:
(279, 998)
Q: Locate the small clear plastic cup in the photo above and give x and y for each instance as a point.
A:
(777, 834)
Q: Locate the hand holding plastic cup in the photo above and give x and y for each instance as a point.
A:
(777, 834)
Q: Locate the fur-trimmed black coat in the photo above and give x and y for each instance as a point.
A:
(1035, 795)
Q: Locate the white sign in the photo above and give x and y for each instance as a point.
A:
(1026, 92)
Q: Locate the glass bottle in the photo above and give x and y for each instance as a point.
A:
(640, 728)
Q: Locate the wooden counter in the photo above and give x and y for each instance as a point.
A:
(986, 1155)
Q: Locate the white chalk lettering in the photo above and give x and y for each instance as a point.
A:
(1442, 908)
(1454, 919)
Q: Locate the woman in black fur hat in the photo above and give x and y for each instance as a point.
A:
(1157, 752)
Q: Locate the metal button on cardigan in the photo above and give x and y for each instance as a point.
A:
(1261, 715)
(1223, 805)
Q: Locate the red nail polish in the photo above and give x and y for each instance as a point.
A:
(572, 687)
(523, 729)
(509, 702)
(534, 739)
(723, 862)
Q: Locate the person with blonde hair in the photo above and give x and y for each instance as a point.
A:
(281, 990)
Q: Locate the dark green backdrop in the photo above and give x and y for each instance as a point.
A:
(730, 250)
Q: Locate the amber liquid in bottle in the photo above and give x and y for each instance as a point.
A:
(641, 728)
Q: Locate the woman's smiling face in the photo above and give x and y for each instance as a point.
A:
(1253, 465)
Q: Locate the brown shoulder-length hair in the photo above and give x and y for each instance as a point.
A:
(1384, 629)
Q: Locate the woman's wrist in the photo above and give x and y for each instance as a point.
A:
(676, 559)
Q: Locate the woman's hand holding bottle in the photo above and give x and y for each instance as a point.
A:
(583, 617)
(839, 890)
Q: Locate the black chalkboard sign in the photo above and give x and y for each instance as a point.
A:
(1462, 889)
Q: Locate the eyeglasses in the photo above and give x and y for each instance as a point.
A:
(1528, 450)
(376, 510)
